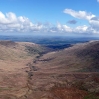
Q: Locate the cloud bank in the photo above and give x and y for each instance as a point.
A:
(91, 18)
(9, 22)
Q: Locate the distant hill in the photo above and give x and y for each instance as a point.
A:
(10, 50)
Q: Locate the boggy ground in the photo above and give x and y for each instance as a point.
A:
(65, 74)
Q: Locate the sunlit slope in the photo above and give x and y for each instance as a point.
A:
(14, 57)
(18, 50)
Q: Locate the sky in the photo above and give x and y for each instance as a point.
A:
(49, 17)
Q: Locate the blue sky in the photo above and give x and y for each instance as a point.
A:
(66, 17)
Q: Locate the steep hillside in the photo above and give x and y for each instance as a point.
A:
(80, 57)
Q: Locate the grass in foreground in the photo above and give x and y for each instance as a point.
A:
(91, 96)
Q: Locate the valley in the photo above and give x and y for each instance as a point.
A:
(33, 71)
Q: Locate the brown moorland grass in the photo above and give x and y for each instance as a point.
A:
(71, 73)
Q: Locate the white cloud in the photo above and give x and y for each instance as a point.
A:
(67, 29)
(97, 0)
(64, 28)
(61, 28)
(81, 29)
(94, 23)
(91, 18)
(79, 14)
(9, 22)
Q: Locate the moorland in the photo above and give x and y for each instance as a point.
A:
(49, 71)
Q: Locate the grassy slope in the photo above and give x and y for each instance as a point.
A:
(81, 57)
(14, 58)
